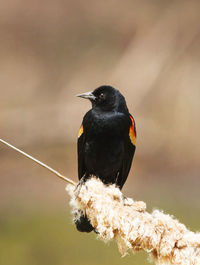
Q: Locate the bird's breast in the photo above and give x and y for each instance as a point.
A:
(104, 143)
(103, 155)
(105, 126)
(104, 146)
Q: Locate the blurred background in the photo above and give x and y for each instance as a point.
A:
(52, 50)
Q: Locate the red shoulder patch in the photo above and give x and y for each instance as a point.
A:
(132, 133)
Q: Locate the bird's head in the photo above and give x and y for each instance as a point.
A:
(105, 98)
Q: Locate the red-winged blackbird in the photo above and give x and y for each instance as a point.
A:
(106, 141)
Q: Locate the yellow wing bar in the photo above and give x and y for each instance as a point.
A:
(80, 132)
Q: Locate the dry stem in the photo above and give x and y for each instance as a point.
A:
(39, 162)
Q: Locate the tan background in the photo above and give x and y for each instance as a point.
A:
(52, 50)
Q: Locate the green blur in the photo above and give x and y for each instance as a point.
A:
(40, 238)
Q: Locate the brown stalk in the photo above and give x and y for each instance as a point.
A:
(40, 163)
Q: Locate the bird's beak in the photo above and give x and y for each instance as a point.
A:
(88, 95)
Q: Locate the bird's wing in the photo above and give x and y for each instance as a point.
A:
(81, 144)
(129, 150)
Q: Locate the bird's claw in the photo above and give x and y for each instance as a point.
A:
(79, 186)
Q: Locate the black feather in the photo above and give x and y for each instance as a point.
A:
(105, 148)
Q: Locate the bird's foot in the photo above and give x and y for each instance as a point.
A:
(128, 201)
(79, 186)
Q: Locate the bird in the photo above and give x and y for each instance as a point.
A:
(106, 141)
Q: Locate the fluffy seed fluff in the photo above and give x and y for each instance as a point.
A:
(116, 217)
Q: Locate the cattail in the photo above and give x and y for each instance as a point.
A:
(116, 217)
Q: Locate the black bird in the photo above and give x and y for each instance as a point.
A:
(106, 141)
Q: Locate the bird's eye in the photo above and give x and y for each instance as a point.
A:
(101, 96)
